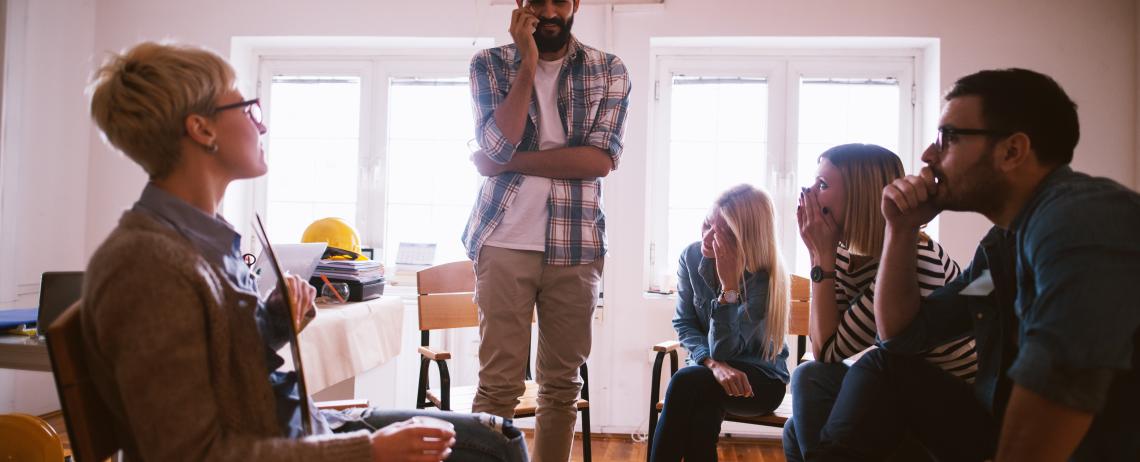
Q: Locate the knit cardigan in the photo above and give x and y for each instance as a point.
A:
(175, 352)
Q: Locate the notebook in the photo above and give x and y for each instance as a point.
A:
(299, 259)
(58, 290)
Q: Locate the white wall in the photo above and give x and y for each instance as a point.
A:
(1089, 47)
(50, 178)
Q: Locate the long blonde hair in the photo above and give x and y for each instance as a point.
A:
(750, 215)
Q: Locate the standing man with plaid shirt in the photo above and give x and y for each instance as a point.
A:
(550, 114)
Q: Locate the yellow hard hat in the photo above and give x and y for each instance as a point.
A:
(343, 241)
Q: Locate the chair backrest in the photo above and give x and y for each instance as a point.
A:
(446, 296)
(89, 428)
(28, 438)
(801, 306)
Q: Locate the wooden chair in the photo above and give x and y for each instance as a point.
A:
(797, 325)
(28, 438)
(89, 423)
(446, 301)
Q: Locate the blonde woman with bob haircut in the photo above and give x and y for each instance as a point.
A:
(182, 348)
(842, 227)
(732, 315)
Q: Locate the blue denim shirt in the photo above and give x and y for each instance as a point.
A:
(1074, 336)
(734, 331)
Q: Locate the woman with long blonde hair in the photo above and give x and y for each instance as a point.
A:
(732, 313)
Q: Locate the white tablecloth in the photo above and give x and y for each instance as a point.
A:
(345, 340)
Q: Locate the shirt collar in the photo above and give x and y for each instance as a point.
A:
(213, 236)
(1056, 176)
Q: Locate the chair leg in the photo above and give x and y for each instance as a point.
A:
(586, 435)
(652, 430)
(421, 392)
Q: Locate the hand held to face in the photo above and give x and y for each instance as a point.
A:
(728, 269)
(523, 24)
(818, 229)
(909, 202)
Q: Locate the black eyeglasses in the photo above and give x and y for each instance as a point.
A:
(948, 134)
(252, 108)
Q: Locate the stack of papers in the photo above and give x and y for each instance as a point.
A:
(351, 270)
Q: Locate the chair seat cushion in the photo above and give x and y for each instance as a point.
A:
(462, 397)
(776, 419)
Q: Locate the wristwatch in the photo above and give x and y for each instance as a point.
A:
(818, 274)
(730, 296)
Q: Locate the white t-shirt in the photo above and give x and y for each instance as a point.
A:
(524, 223)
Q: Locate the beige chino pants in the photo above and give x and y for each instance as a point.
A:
(510, 285)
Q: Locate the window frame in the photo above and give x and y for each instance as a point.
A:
(374, 60)
(783, 68)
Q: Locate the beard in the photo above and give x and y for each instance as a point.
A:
(551, 43)
(978, 189)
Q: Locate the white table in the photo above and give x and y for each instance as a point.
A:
(345, 340)
(341, 342)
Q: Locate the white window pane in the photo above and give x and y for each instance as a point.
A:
(315, 107)
(314, 151)
(314, 170)
(684, 229)
(839, 111)
(432, 182)
(718, 138)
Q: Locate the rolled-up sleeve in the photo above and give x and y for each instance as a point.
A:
(488, 89)
(609, 123)
(1078, 328)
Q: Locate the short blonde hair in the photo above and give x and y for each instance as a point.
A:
(866, 170)
(140, 99)
(750, 215)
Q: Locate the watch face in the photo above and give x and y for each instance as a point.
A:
(816, 274)
(731, 296)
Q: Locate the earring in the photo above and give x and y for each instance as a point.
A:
(211, 148)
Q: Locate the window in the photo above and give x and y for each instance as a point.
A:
(378, 141)
(762, 119)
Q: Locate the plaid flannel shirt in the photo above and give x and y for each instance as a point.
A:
(593, 96)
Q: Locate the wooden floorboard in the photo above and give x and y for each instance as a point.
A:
(622, 448)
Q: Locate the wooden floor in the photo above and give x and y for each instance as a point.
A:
(621, 448)
(607, 448)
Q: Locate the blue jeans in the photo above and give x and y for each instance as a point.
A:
(815, 387)
(695, 404)
(478, 437)
(887, 399)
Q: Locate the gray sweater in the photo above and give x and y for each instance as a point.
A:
(176, 354)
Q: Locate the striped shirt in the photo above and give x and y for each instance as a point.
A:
(593, 95)
(855, 295)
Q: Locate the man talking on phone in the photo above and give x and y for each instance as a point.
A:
(550, 112)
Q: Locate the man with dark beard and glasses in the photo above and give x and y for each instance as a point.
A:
(550, 113)
(1047, 297)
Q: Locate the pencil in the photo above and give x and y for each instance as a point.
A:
(334, 291)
